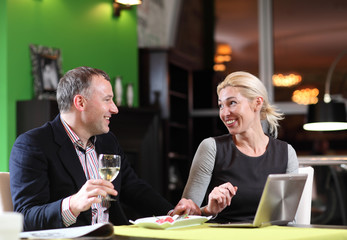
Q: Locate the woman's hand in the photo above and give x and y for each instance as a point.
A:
(219, 198)
(186, 206)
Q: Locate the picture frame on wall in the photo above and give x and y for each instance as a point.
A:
(46, 69)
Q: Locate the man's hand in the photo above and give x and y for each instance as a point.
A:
(88, 194)
(220, 198)
(186, 206)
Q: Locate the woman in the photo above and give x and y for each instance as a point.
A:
(232, 169)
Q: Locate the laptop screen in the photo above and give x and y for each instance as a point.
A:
(280, 199)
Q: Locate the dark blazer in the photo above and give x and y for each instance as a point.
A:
(44, 169)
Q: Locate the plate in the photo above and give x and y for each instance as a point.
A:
(150, 222)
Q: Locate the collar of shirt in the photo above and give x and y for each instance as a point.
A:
(76, 140)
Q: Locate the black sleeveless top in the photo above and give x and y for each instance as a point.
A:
(249, 174)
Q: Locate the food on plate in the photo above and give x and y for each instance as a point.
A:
(171, 219)
(166, 219)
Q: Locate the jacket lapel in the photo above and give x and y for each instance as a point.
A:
(67, 153)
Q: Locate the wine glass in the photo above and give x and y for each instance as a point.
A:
(109, 167)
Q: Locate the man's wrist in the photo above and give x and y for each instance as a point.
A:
(67, 216)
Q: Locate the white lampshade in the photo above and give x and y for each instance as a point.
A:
(326, 117)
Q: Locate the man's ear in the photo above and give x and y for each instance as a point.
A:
(79, 102)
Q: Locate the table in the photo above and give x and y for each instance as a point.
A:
(206, 231)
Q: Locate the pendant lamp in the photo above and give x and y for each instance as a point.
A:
(329, 115)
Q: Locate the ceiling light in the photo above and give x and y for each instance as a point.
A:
(305, 96)
(219, 67)
(223, 49)
(280, 80)
(222, 56)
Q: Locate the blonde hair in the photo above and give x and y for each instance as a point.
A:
(251, 87)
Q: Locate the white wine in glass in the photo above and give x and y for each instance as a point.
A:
(109, 167)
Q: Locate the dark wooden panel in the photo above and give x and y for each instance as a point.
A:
(139, 132)
(34, 113)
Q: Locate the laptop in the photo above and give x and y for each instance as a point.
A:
(278, 203)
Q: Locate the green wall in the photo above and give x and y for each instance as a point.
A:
(84, 30)
(3, 89)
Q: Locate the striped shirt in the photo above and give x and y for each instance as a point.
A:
(89, 163)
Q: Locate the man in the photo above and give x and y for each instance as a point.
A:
(54, 176)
